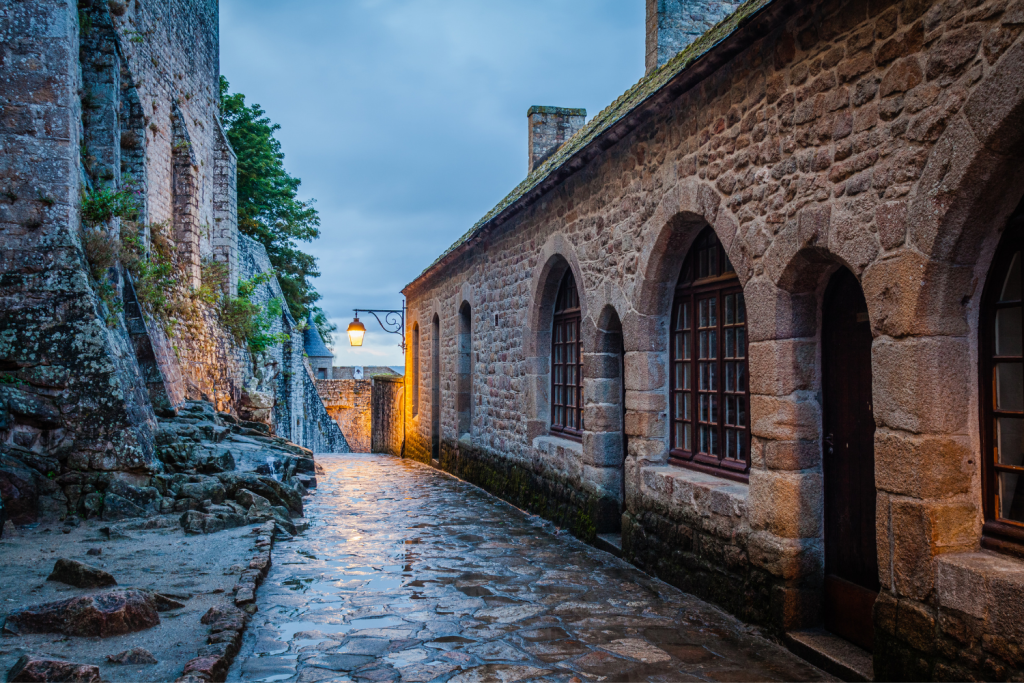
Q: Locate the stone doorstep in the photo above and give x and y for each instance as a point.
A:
(610, 543)
(831, 653)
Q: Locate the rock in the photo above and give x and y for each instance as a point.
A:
(194, 522)
(255, 406)
(18, 490)
(115, 507)
(92, 504)
(220, 460)
(253, 500)
(225, 618)
(309, 481)
(101, 614)
(94, 551)
(206, 668)
(146, 498)
(136, 655)
(165, 603)
(283, 519)
(227, 418)
(29, 670)
(272, 490)
(30, 409)
(80, 575)
(257, 426)
(208, 489)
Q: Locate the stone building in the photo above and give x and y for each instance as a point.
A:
(761, 317)
(102, 100)
(320, 358)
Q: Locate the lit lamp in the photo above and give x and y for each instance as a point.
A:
(356, 330)
(393, 322)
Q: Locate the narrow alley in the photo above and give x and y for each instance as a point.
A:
(409, 574)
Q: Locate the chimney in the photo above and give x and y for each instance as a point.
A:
(550, 127)
(673, 24)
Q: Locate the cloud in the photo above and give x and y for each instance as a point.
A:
(406, 119)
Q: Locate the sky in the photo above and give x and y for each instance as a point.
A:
(406, 119)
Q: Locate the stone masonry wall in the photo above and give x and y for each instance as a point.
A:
(886, 137)
(348, 403)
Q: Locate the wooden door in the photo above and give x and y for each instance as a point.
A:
(435, 389)
(851, 556)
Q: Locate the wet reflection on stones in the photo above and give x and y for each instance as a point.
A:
(407, 574)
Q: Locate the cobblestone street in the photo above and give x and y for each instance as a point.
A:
(408, 574)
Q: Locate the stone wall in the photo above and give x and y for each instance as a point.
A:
(122, 96)
(321, 432)
(348, 402)
(882, 137)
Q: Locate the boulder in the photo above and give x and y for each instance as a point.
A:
(145, 497)
(80, 575)
(92, 504)
(256, 406)
(249, 499)
(225, 618)
(214, 461)
(30, 669)
(283, 519)
(115, 507)
(136, 655)
(101, 614)
(194, 522)
(274, 491)
(207, 489)
(18, 490)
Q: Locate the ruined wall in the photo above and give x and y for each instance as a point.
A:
(348, 403)
(884, 137)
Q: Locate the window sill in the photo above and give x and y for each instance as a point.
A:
(550, 442)
(982, 584)
(1000, 537)
(679, 487)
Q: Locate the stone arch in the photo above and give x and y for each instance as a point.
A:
(556, 257)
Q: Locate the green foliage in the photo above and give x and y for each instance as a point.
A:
(115, 306)
(268, 208)
(152, 271)
(104, 203)
(247, 321)
(8, 378)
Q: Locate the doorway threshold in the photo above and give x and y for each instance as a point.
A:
(831, 653)
(610, 543)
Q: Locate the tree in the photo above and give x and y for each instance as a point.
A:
(268, 208)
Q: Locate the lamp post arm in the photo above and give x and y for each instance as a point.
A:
(393, 322)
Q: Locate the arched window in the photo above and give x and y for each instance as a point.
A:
(464, 399)
(1002, 390)
(710, 396)
(567, 362)
(415, 369)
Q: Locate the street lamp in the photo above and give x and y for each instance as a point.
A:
(393, 322)
(356, 330)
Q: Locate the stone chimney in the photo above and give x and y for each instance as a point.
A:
(550, 127)
(673, 24)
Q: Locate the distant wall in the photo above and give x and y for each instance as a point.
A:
(387, 426)
(348, 402)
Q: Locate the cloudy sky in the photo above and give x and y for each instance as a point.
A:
(406, 119)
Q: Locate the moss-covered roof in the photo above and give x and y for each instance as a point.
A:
(612, 114)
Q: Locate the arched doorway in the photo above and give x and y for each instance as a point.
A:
(851, 554)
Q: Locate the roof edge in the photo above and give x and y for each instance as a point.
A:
(680, 74)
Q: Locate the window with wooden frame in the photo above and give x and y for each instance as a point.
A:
(415, 369)
(1002, 393)
(567, 362)
(710, 396)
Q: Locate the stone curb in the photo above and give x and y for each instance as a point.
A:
(228, 622)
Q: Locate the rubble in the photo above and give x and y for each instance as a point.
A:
(31, 670)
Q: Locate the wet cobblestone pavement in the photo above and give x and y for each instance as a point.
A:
(407, 574)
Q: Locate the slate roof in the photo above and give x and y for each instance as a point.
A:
(313, 344)
(648, 86)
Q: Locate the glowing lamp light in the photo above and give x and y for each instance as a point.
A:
(356, 330)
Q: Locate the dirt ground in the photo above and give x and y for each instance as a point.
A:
(197, 570)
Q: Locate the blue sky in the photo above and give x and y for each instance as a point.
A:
(406, 119)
